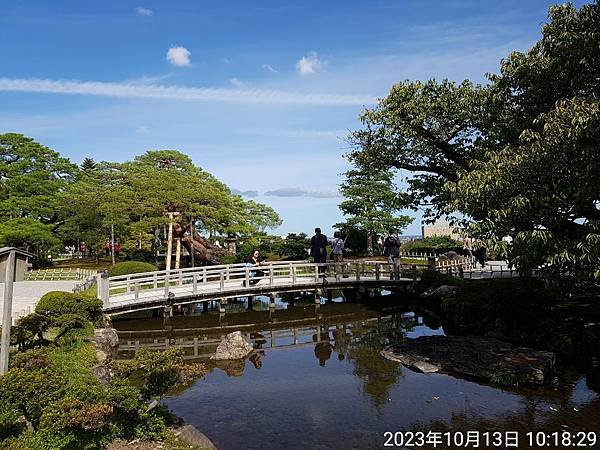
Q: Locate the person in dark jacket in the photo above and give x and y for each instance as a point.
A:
(318, 246)
(391, 249)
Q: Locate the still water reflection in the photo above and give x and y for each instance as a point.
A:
(317, 380)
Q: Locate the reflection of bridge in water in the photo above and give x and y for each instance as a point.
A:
(329, 327)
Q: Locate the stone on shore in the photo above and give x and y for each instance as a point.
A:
(440, 291)
(233, 346)
(194, 437)
(482, 358)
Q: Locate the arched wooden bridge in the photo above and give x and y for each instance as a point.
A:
(151, 290)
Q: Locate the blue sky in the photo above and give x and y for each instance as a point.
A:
(259, 93)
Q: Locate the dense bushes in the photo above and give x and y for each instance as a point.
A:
(433, 244)
(128, 267)
(57, 304)
(49, 399)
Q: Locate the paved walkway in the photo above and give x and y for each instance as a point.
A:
(27, 293)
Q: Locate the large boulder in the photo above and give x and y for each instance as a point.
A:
(233, 346)
(194, 437)
(444, 290)
(477, 357)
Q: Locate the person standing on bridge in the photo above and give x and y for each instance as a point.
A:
(318, 245)
(251, 261)
(337, 251)
(391, 249)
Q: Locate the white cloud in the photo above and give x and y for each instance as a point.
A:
(299, 192)
(144, 11)
(237, 82)
(269, 68)
(309, 64)
(179, 56)
(225, 60)
(132, 90)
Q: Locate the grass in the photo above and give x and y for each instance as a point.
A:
(83, 263)
(75, 356)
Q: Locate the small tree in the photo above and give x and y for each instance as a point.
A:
(371, 204)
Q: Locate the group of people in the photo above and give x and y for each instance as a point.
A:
(318, 251)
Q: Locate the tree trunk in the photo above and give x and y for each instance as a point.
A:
(369, 243)
(112, 243)
(201, 249)
(192, 229)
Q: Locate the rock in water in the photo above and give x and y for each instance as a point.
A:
(233, 346)
(478, 357)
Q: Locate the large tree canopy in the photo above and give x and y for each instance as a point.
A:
(46, 200)
(518, 156)
(30, 177)
(136, 196)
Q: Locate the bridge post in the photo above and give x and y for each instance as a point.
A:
(155, 281)
(222, 303)
(377, 271)
(167, 285)
(136, 289)
(247, 278)
(195, 283)
(102, 285)
(271, 275)
(293, 273)
(317, 297)
(221, 280)
(357, 271)
(316, 272)
(414, 272)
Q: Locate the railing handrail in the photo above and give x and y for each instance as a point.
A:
(201, 269)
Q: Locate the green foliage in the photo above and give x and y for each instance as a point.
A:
(27, 233)
(433, 244)
(30, 391)
(133, 197)
(157, 372)
(30, 329)
(370, 201)
(295, 247)
(128, 267)
(62, 307)
(32, 359)
(518, 156)
(31, 177)
(144, 255)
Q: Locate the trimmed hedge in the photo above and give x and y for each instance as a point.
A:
(56, 304)
(128, 267)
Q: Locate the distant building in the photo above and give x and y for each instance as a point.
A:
(440, 228)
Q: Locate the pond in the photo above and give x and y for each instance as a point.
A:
(317, 380)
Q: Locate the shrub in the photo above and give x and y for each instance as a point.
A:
(141, 255)
(32, 359)
(30, 391)
(128, 267)
(158, 371)
(433, 244)
(55, 304)
(30, 330)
